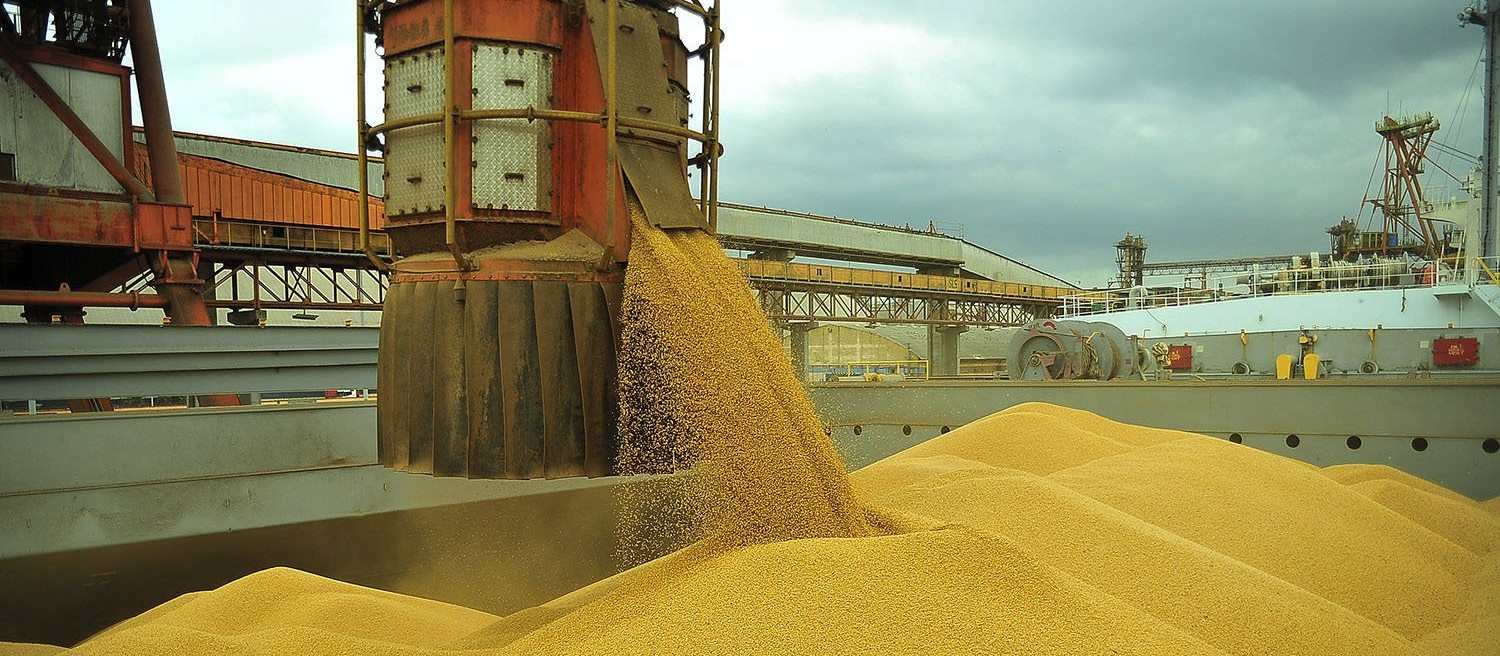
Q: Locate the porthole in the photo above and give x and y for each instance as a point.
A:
(944, 430)
(859, 430)
(1491, 445)
(1354, 442)
(1236, 438)
(1419, 444)
(1292, 441)
(906, 430)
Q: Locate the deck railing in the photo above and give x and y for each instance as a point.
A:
(1337, 276)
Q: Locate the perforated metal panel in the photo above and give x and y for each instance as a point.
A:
(512, 158)
(414, 162)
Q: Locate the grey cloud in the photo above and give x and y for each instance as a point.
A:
(1218, 129)
(1046, 129)
(1320, 47)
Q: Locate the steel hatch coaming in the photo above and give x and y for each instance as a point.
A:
(107, 454)
(1460, 413)
(1445, 407)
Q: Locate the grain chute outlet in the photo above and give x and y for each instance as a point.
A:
(516, 138)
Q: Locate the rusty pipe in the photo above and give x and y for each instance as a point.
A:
(611, 126)
(176, 275)
(663, 128)
(410, 121)
(533, 114)
(536, 114)
(704, 52)
(362, 149)
(132, 300)
(450, 131)
(717, 39)
(151, 85)
(527, 113)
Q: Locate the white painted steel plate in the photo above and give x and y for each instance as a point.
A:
(415, 167)
(512, 158)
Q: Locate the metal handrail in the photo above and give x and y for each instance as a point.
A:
(898, 365)
(1307, 280)
(1487, 270)
(535, 114)
(361, 150)
(609, 119)
(450, 128)
(611, 128)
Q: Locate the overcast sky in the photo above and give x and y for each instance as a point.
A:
(1046, 130)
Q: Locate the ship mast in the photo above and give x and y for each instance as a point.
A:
(1489, 19)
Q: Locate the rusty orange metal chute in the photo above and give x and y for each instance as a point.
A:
(516, 135)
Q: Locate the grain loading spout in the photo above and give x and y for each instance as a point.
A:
(517, 134)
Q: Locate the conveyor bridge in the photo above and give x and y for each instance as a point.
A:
(272, 266)
(277, 229)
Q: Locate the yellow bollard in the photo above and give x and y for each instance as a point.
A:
(1283, 367)
(1310, 366)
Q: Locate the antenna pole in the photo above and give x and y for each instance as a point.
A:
(1487, 18)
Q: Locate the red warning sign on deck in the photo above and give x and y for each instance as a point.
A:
(1455, 351)
(1180, 357)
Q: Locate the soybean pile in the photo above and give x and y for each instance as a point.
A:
(1036, 530)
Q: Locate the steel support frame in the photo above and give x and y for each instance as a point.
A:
(70, 119)
(1205, 267)
(786, 302)
(258, 279)
(275, 279)
(327, 283)
(297, 285)
(158, 219)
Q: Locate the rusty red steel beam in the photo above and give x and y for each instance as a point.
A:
(67, 220)
(70, 119)
(176, 275)
(134, 300)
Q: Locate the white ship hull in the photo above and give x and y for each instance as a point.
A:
(1444, 306)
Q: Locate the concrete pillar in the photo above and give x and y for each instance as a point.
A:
(797, 340)
(942, 350)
